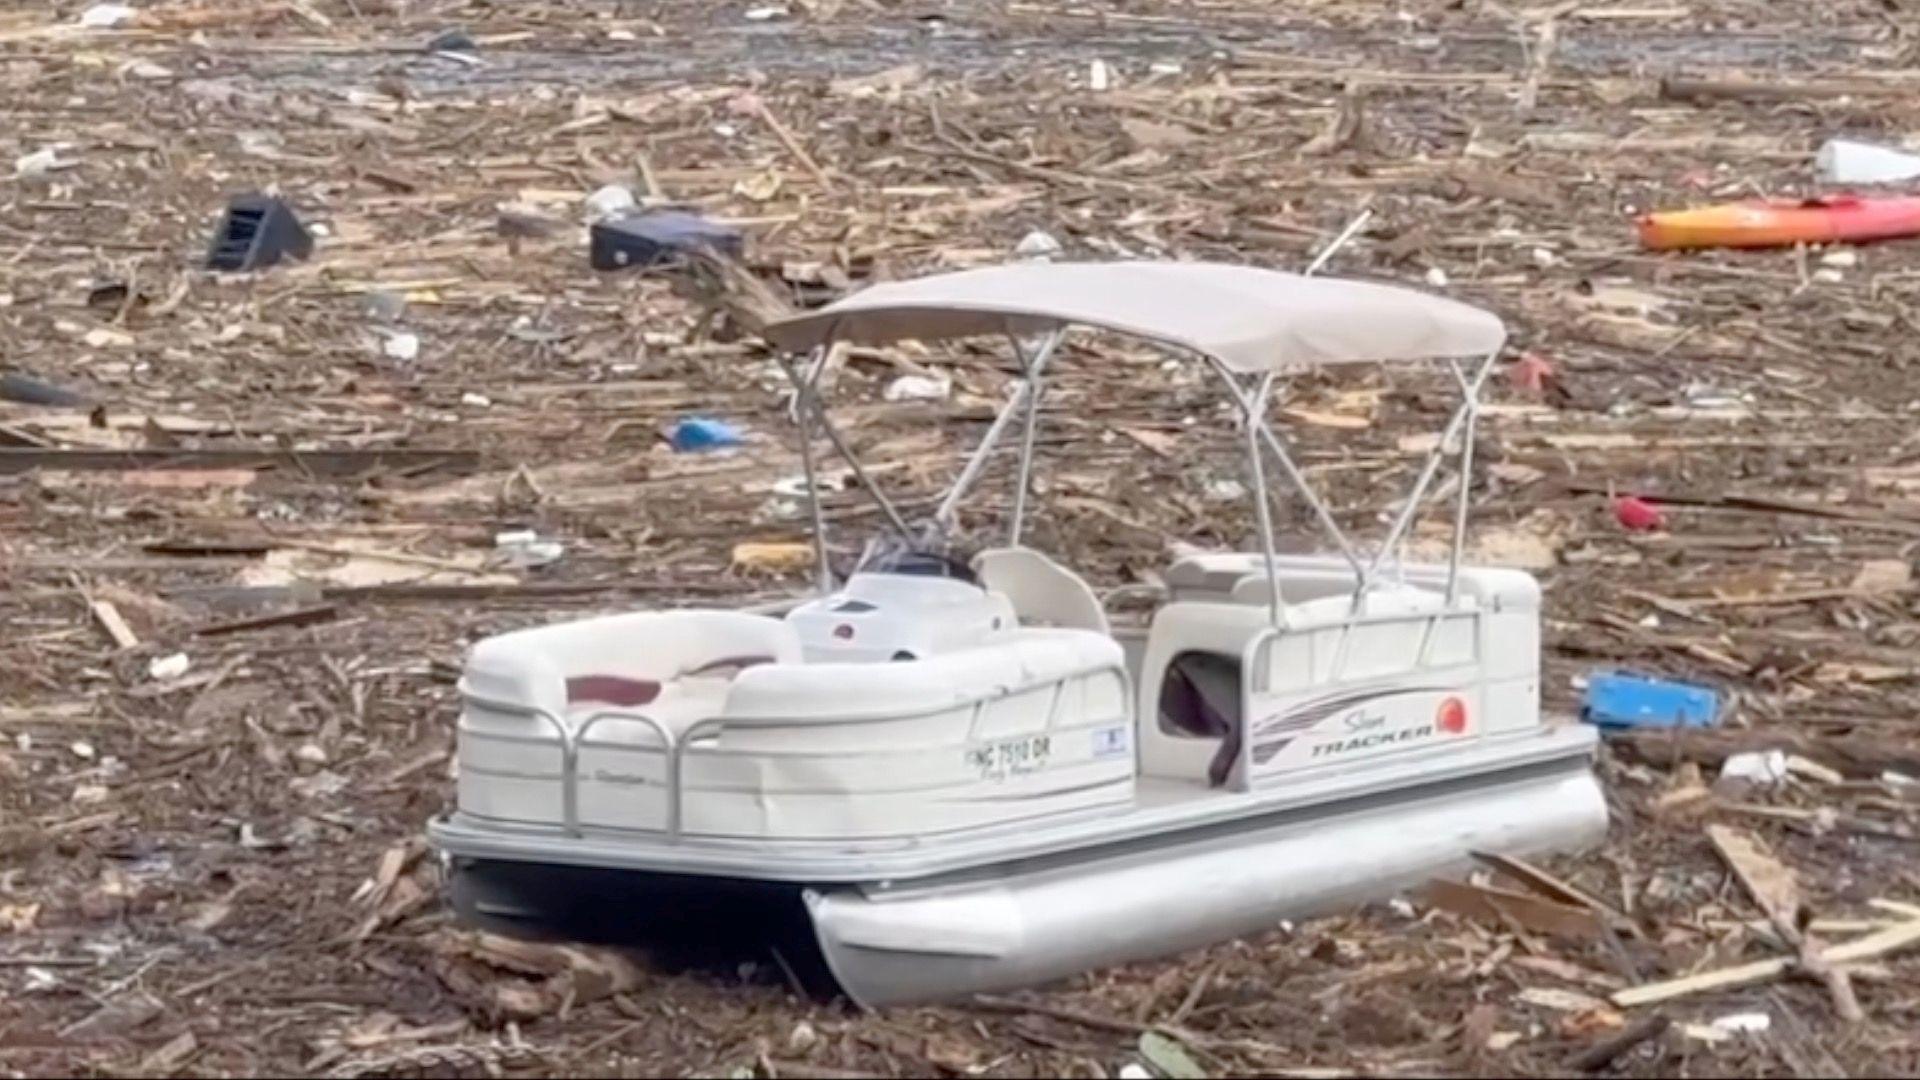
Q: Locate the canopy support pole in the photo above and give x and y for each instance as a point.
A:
(1253, 415)
(1466, 481)
(1037, 381)
(802, 416)
(1033, 367)
(1279, 451)
(1468, 407)
(1258, 432)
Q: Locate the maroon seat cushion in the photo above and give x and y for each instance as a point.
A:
(619, 690)
(611, 690)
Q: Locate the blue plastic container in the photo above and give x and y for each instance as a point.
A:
(697, 434)
(1637, 701)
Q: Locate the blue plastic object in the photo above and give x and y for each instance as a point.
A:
(1618, 700)
(698, 434)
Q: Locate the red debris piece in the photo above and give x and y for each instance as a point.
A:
(1637, 514)
(1530, 374)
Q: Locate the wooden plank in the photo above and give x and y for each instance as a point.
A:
(1543, 916)
(344, 462)
(1866, 948)
(1771, 884)
(1540, 881)
(305, 616)
(1766, 879)
(116, 627)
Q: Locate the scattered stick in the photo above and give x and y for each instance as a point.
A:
(331, 463)
(116, 627)
(792, 144)
(1866, 948)
(305, 616)
(1541, 916)
(1601, 1054)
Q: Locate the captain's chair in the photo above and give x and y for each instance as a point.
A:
(1042, 591)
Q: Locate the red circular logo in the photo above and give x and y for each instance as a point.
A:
(1452, 717)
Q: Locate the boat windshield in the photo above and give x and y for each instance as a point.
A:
(928, 555)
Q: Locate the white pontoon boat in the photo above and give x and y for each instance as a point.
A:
(970, 778)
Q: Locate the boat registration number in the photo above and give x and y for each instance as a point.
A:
(1010, 757)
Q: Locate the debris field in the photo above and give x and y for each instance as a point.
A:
(245, 551)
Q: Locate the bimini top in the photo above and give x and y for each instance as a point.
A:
(1248, 318)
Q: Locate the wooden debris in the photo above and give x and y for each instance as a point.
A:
(561, 977)
(306, 616)
(1540, 881)
(1772, 886)
(15, 460)
(116, 627)
(1869, 947)
(1495, 905)
(1759, 398)
(1606, 1051)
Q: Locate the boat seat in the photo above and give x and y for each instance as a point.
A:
(1335, 603)
(835, 692)
(1042, 591)
(672, 666)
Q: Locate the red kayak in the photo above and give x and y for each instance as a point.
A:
(1780, 222)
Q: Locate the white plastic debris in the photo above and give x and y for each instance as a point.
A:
(524, 548)
(766, 13)
(802, 1037)
(1841, 257)
(478, 401)
(1226, 489)
(1757, 766)
(39, 979)
(38, 163)
(310, 753)
(1748, 1021)
(401, 346)
(918, 388)
(176, 665)
(82, 750)
(107, 16)
(1099, 77)
(618, 34)
(610, 201)
(1844, 161)
(1038, 244)
(1436, 277)
(320, 785)
(1133, 1070)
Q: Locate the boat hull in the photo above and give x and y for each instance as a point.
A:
(937, 940)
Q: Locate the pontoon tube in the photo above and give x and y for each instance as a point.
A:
(927, 943)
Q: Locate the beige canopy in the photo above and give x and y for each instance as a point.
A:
(1250, 319)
